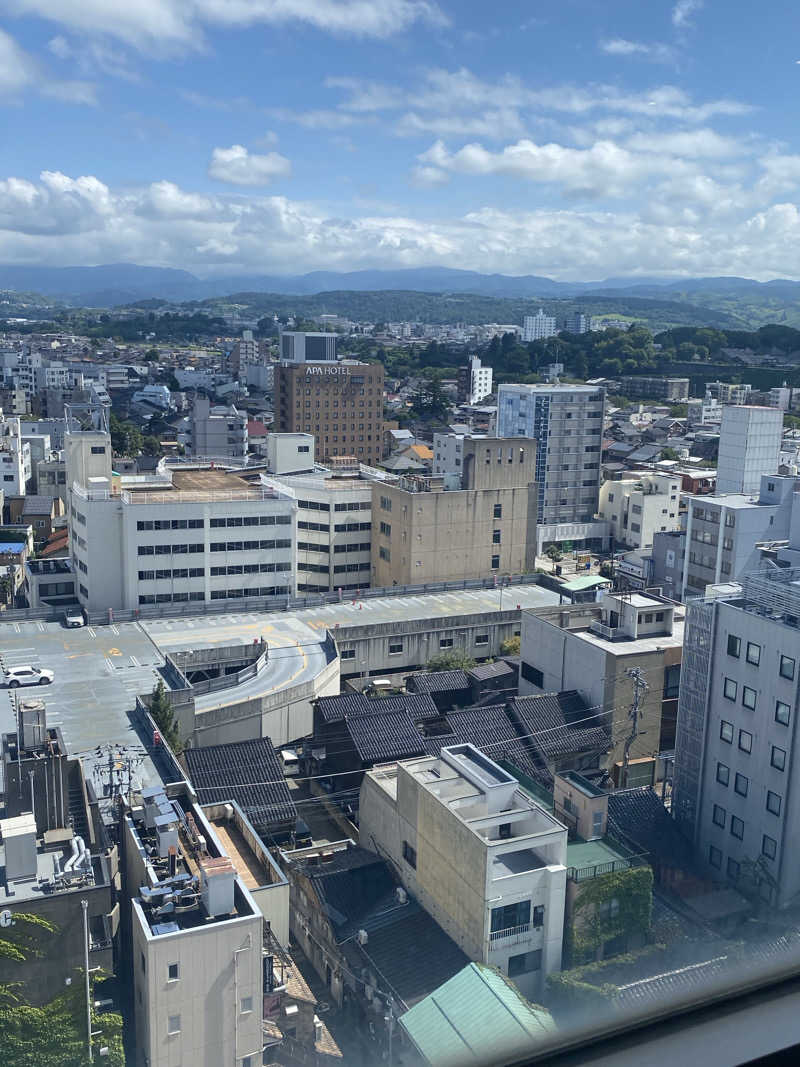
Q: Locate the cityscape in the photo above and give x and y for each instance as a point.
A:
(399, 457)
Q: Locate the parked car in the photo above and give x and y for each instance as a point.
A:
(73, 617)
(17, 676)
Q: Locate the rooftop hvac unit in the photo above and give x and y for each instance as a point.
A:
(362, 937)
(33, 724)
(217, 885)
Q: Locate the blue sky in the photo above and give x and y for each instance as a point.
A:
(573, 139)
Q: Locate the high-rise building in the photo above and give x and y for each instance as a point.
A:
(737, 748)
(639, 506)
(340, 403)
(248, 352)
(538, 327)
(749, 446)
(474, 381)
(298, 347)
(566, 421)
(576, 323)
(15, 458)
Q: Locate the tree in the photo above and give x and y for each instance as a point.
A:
(151, 446)
(553, 553)
(679, 411)
(511, 646)
(164, 717)
(151, 355)
(454, 659)
(669, 453)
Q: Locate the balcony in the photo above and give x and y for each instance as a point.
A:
(512, 933)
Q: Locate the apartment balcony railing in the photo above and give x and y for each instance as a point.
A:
(509, 933)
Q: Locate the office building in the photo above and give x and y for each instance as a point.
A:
(566, 421)
(749, 446)
(538, 327)
(729, 392)
(173, 536)
(474, 381)
(576, 323)
(673, 390)
(590, 648)
(218, 432)
(297, 347)
(736, 750)
(341, 404)
(474, 523)
(196, 939)
(780, 396)
(480, 855)
(705, 412)
(638, 507)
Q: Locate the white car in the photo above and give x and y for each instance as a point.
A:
(16, 676)
(73, 618)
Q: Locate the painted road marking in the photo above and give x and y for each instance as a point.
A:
(91, 632)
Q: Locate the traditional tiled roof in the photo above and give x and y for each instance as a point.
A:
(380, 738)
(559, 724)
(247, 772)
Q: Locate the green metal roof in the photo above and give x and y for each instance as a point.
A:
(478, 1016)
(586, 581)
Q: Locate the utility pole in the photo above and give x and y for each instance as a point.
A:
(85, 907)
(640, 687)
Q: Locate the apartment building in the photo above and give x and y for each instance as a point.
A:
(737, 745)
(593, 649)
(15, 458)
(673, 390)
(474, 381)
(248, 352)
(480, 855)
(173, 536)
(749, 446)
(577, 322)
(566, 421)
(473, 523)
(638, 507)
(218, 431)
(195, 940)
(729, 392)
(341, 404)
(538, 327)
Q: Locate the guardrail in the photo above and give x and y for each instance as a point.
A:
(585, 874)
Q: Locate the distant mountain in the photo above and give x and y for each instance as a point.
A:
(122, 283)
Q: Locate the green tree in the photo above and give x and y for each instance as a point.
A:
(453, 659)
(598, 920)
(669, 453)
(151, 446)
(164, 717)
(511, 646)
(151, 355)
(679, 411)
(554, 554)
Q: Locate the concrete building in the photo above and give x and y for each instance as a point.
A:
(248, 352)
(737, 746)
(157, 396)
(780, 396)
(566, 421)
(289, 453)
(480, 855)
(674, 390)
(195, 940)
(218, 432)
(749, 446)
(51, 477)
(591, 648)
(704, 412)
(169, 537)
(478, 522)
(577, 322)
(341, 404)
(638, 507)
(15, 458)
(474, 381)
(729, 392)
(448, 452)
(538, 327)
(297, 347)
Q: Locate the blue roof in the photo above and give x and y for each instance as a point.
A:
(478, 1016)
(12, 546)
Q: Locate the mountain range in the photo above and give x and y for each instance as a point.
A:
(120, 283)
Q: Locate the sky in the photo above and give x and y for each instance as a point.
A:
(573, 139)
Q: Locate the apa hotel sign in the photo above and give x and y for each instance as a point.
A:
(323, 369)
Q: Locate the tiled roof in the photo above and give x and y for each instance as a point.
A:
(639, 816)
(38, 505)
(439, 681)
(558, 724)
(490, 670)
(336, 709)
(491, 729)
(247, 772)
(350, 885)
(379, 738)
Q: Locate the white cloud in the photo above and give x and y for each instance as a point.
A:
(169, 25)
(619, 46)
(237, 166)
(695, 144)
(684, 11)
(494, 125)
(93, 57)
(21, 73)
(61, 220)
(319, 118)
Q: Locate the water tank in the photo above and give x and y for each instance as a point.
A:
(217, 877)
(33, 724)
(19, 839)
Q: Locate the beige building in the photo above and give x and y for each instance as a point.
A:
(639, 506)
(478, 853)
(475, 523)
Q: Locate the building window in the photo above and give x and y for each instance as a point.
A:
(769, 847)
(714, 857)
(718, 816)
(347, 653)
(173, 972)
(737, 827)
(495, 563)
(734, 646)
(445, 642)
(410, 855)
(730, 689)
(538, 916)
(245, 1005)
(385, 554)
(386, 529)
(481, 639)
(774, 802)
(787, 667)
(778, 758)
(510, 916)
(174, 1024)
(745, 741)
(386, 503)
(749, 697)
(726, 731)
(524, 962)
(532, 674)
(723, 774)
(733, 869)
(783, 713)
(497, 512)
(395, 648)
(753, 653)
(741, 784)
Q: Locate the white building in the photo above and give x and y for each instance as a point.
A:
(218, 432)
(567, 423)
(158, 396)
(538, 327)
(480, 855)
(15, 458)
(576, 323)
(479, 381)
(173, 537)
(705, 412)
(737, 745)
(730, 392)
(749, 446)
(780, 396)
(637, 507)
(297, 347)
